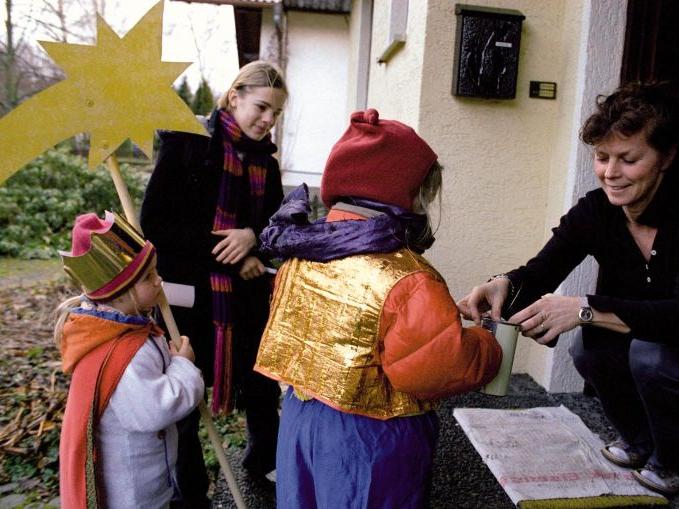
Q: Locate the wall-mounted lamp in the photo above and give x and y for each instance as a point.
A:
(398, 26)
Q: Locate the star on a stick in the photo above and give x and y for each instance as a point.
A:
(116, 89)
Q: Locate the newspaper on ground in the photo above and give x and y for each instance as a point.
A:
(547, 453)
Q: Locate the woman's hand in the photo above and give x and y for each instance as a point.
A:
(490, 295)
(252, 268)
(185, 350)
(236, 243)
(548, 317)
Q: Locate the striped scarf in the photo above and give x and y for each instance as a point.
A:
(245, 162)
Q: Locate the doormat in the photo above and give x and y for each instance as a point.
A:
(546, 458)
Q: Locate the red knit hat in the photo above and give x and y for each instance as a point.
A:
(382, 160)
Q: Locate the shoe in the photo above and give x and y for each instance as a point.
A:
(662, 480)
(259, 462)
(271, 476)
(623, 455)
(263, 481)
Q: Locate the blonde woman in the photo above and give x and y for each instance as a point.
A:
(206, 202)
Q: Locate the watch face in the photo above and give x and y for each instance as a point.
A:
(585, 314)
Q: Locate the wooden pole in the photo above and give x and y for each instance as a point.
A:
(131, 215)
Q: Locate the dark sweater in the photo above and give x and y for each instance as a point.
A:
(644, 295)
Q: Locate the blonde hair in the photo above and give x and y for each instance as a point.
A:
(428, 192)
(255, 74)
(64, 310)
(430, 188)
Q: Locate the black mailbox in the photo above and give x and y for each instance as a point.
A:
(486, 51)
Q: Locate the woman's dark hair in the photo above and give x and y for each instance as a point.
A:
(633, 108)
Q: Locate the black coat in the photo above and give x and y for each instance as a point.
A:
(643, 294)
(177, 216)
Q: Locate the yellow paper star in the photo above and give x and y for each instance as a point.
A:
(116, 89)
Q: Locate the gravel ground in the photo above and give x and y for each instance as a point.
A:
(461, 480)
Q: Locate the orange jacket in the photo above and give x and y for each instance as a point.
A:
(427, 352)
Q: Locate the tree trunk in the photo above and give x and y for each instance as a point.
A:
(9, 63)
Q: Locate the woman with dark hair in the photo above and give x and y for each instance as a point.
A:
(629, 347)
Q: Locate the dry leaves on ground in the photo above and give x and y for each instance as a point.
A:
(32, 387)
(33, 392)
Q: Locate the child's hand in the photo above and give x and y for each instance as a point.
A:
(251, 268)
(185, 349)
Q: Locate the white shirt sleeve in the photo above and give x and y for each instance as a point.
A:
(146, 399)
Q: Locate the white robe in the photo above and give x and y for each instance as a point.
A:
(137, 436)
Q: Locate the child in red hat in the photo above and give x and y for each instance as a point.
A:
(119, 441)
(363, 329)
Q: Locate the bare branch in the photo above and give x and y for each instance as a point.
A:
(57, 31)
(194, 34)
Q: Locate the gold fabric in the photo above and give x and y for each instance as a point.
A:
(322, 334)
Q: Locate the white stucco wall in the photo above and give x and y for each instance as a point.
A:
(499, 154)
(598, 72)
(512, 167)
(355, 23)
(394, 88)
(316, 73)
(358, 73)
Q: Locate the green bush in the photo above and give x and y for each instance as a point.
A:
(39, 203)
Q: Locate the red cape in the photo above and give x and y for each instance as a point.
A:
(96, 373)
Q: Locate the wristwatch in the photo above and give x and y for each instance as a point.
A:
(585, 315)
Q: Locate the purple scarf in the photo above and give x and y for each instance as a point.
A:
(291, 235)
(253, 167)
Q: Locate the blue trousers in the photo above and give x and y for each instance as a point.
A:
(328, 459)
(638, 385)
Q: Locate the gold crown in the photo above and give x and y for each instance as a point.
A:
(114, 256)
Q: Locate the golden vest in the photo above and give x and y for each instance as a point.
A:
(323, 332)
